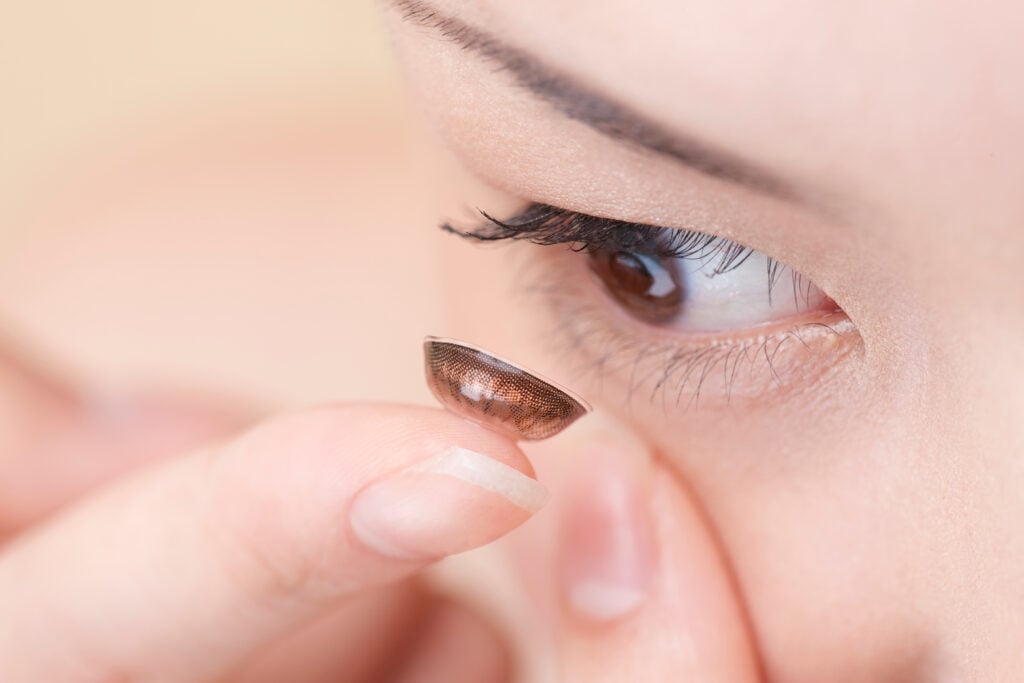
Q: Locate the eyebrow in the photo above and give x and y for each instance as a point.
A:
(580, 103)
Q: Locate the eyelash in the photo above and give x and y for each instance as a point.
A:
(547, 225)
(585, 326)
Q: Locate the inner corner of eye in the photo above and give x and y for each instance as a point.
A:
(713, 289)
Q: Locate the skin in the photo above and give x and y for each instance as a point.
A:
(849, 517)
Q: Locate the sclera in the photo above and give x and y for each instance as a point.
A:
(498, 393)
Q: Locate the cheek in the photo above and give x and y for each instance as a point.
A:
(858, 544)
(857, 531)
(830, 570)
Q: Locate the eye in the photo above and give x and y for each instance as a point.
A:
(694, 293)
(680, 279)
(680, 311)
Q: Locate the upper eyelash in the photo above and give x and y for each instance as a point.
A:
(549, 225)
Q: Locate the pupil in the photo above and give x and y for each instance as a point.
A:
(629, 273)
(647, 286)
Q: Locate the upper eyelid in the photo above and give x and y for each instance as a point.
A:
(581, 103)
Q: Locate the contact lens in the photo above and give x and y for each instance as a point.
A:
(497, 393)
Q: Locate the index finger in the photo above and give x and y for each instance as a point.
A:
(184, 570)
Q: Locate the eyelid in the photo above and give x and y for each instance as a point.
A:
(576, 101)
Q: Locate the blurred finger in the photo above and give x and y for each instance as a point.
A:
(34, 409)
(455, 645)
(55, 443)
(183, 571)
(350, 644)
(400, 634)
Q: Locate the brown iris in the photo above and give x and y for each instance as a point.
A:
(649, 287)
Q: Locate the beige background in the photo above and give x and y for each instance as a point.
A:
(225, 197)
(216, 194)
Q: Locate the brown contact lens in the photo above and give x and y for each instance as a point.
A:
(494, 392)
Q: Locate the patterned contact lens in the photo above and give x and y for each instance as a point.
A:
(496, 393)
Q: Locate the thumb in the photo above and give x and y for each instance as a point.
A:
(185, 569)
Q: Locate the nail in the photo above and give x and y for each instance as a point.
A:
(607, 543)
(452, 502)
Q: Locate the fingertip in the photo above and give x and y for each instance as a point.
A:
(410, 485)
(240, 542)
(446, 504)
(385, 435)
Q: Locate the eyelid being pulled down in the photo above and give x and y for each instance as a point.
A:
(684, 368)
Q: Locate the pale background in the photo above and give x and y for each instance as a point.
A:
(230, 198)
(217, 194)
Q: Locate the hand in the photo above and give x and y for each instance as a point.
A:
(132, 554)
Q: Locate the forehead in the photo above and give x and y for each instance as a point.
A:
(848, 89)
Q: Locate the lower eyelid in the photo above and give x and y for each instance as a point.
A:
(598, 339)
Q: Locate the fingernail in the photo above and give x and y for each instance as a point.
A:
(452, 502)
(606, 547)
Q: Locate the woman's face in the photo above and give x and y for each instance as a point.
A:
(844, 402)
